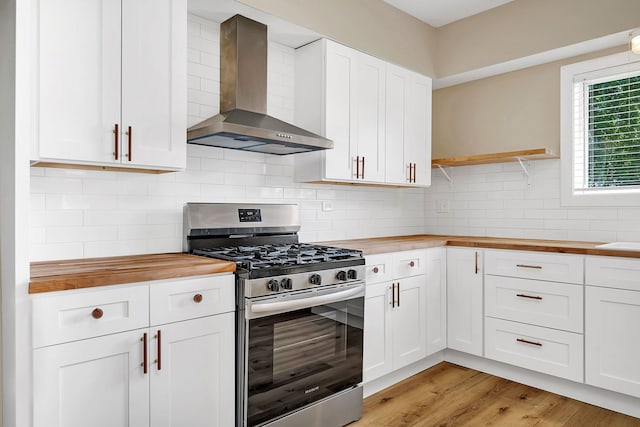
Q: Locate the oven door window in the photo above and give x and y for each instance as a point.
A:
(299, 357)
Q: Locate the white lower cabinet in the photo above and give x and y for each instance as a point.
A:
(394, 328)
(464, 300)
(408, 323)
(168, 374)
(378, 344)
(93, 382)
(612, 316)
(193, 385)
(436, 293)
(613, 339)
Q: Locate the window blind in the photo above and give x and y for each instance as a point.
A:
(607, 133)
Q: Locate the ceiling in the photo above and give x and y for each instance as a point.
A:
(441, 12)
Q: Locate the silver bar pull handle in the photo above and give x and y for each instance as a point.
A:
(306, 302)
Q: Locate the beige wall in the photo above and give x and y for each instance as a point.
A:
(512, 111)
(371, 26)
(526, 27)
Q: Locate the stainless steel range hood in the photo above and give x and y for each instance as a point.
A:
(243, 123)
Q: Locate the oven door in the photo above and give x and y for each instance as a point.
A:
(301, 348)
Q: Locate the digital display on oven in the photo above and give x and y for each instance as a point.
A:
(250, 215)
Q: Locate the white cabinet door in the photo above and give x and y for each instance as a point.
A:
(368, 118)
(408, 127)
(612, 339)
(96, 382)
(78, 79)
(408, 329)
(464, 300)
(194, 383)
(340, 72)
(377, 332)
(418, 145)
(397, 171)
(436, 296)
(154, 83)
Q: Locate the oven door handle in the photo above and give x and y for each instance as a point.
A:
(267, 307)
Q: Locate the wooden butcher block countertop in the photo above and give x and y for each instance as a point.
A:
(421, 241)
(90, 272)
(50, 276)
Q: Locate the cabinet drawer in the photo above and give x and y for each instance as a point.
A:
(409, 263)
(68, 317)
(188, 298)
(540, 349)
(611, 272)
(379, 268)
(550, 304)
(535, 265)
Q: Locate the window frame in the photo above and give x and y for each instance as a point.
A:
(605, 66)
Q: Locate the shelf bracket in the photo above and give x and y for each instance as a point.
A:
(525, 169)
(446, 175)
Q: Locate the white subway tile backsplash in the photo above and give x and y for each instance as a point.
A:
(79, 201)
(58, 251)
(193, 55)
(42, 218)
(591, 236)
(113, 217)
(244, 179)
(163, 245)
(115, 248)
(151, 231)
(44, 184)
(80, 234)
(522, 208)
(629, 214)
(257, 193)
(209, 85)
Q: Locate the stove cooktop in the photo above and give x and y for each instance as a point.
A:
(264, 260)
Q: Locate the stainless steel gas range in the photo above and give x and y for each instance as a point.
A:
(300, 311)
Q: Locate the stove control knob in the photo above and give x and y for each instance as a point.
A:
(352, 274)
(315, 279)
(341, 275)
(272, 285)
(286, 283)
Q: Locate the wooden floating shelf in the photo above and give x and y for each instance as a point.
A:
(507, 156)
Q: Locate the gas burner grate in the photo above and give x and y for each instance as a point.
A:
(270, 256)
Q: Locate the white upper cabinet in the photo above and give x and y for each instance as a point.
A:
(340, 76)
(343, 95)
(111, 80)
(408, 127)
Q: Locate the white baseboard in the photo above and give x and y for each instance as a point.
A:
(585, 393)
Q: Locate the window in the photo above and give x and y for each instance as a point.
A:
(600, 109)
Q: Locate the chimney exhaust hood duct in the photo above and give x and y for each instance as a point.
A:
(243, 123)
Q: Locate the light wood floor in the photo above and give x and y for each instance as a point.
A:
(450, 395)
